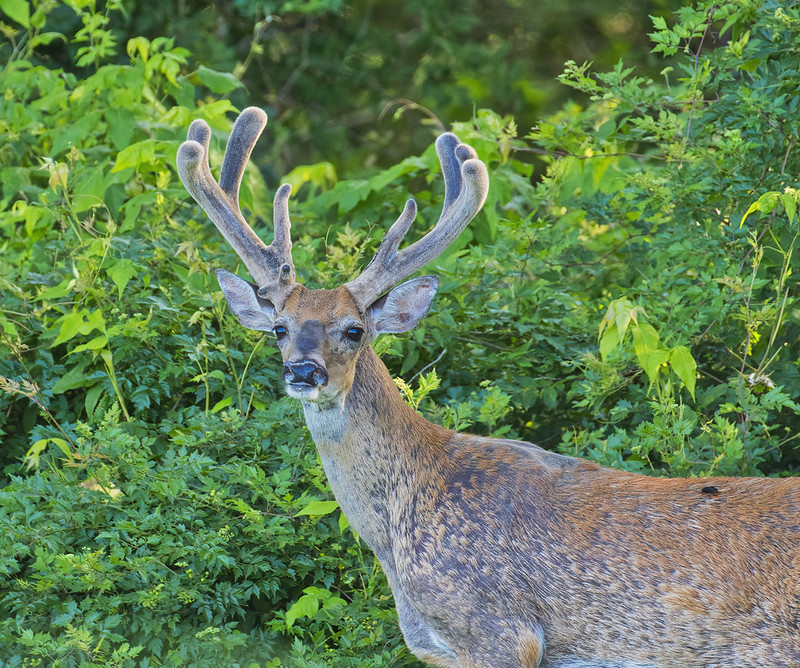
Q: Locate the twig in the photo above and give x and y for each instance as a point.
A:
(696, 61)
(425, 368)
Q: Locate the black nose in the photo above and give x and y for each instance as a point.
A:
(305, 373)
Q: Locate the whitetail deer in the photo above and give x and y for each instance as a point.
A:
(501, 554)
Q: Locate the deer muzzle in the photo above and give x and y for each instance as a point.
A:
(304, 374)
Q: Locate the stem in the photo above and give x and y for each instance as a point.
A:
(694, 75)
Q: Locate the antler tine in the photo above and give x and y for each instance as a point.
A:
(466, 186)
(270, 266)
(245, 133)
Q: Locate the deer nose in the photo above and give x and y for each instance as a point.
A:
(305, 373)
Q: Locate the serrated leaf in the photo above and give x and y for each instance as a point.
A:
(659, 22)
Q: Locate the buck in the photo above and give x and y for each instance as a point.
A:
(499, 553)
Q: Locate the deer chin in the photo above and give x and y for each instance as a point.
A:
(303, 391)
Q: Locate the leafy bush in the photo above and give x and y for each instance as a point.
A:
(163, 505)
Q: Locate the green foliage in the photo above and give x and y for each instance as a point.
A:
(621, 316)
(627, 295)
(656, 180)
(364, 82)
(195, 551)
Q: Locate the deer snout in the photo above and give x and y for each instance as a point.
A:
(305, 372)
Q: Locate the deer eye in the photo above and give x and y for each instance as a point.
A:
(280, 332)
(354, 334)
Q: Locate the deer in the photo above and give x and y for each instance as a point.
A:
(499, 553)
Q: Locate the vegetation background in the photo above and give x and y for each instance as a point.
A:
(627, 295)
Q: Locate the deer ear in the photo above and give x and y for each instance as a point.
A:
(403, 307)
(251, 310)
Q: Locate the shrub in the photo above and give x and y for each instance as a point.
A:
(626, 296)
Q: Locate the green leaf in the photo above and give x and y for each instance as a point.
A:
(659, 22)
(222, 403)
(136, 154)
(32, 455)
(121, 125)
(322, 174)
(121, 272)
(221, 83)
(750, 209)
(621, 312)
(344, 523)
(17, 10)
(46, 38)
(96, 343)
(789, 205)
(91, 399)
(70, 380)
(645, 344)
(78, 322)
(319, 508)
(765, 204)
(684, 366)
(609, 341)
(306, 606)
(58, 291)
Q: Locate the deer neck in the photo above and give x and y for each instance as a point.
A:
(371, 444)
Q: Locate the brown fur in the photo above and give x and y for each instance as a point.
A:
(497, 544)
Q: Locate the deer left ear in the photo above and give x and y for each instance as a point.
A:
(404, 306)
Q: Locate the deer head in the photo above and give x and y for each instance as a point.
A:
(321, 332)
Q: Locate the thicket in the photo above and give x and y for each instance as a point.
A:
(628, 295)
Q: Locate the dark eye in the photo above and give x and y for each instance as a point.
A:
(280, 332)
(354, 334)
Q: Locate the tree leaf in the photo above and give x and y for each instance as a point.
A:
(645, 344)
(305, 606)
(221, 83)
(121, 272)
(135, 154)
(319, 508)
(684, 366)
(17, 10)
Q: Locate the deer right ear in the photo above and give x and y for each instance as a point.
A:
(404, 306)
(252, 311)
